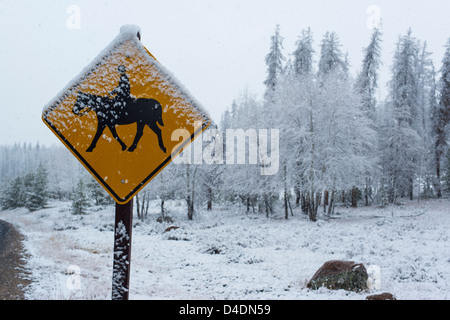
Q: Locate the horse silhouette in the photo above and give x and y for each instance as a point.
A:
(141, 111)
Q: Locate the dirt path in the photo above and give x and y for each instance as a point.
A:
(13, 277)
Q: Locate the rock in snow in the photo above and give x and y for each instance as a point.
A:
(337, 274)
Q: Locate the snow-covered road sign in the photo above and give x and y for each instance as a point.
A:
(117, 117)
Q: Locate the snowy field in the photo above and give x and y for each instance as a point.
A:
(226, 254)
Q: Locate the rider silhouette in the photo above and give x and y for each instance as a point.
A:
(122, 91)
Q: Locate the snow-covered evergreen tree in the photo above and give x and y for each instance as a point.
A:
(401, 161)
(97, 193)
(404, 83)
(441, 117)
(303, 54)
(80, 199)
(366, 85)
(331, 57)
(36, 184)
(445, 85)
(367, 81)
(12, 194)
(446, 182)
(274, 62)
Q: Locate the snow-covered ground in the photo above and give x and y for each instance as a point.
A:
(227, 254)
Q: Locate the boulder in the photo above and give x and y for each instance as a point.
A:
(381, 296)
(337, 274)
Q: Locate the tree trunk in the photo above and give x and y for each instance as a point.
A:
(189, 200)
(305, 203)
(138, 207)
(325, 201)
(268, 205)
(297, 196)
(331, 206)
(438, 173)
(411, 189)
(147, 202)
(290, 207)
(354, 197)
(142, 202)
(286, 213)
(313, 204)
(190, 207)
(366, 193)
(248, 203)
(210, 196)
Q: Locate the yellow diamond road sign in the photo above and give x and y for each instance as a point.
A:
(117, 117)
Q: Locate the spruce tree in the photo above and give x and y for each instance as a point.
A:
(445, 86)
(97, 193)
(80, 200)
(11, 194)
(367, 81)
(274, 61)
(446, 182)
(441, 117)
(303, 54)
(331, 57)
(404, 141)
(37, 196)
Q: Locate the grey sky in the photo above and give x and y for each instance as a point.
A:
(215, 48)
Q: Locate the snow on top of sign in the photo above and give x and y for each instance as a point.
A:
(130, 29)
(127, 32)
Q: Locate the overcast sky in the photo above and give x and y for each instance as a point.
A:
(216, 49)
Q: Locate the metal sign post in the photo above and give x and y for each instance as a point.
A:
(122, 251)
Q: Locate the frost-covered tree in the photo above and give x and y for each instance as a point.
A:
(97, 193)
(242, 181)
(366, 85)
(36, 185)
(303, 54)
(12, 194)
(404, 83)
(331, 57)
(325, 137)
(274, 62)
(441, 117)
(211, 174)
(446, 182)
(80, 199)
(63, 168)
(367, 81)
(426, 100)
(401, 138)
(29, 190)
(165, 186)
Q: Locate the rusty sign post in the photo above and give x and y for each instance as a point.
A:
(122, 251)
(118, 118)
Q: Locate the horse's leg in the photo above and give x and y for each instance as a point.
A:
(139, 132)
(157, 130)
(112, 128)
(100, 128)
